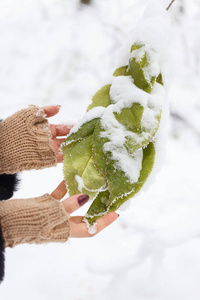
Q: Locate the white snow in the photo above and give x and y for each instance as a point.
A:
(56, 52)
(152, 69)
(81, 185)
(114, 131)
(95, 113)
(130, 165)
(40, 113)
(91, 229)
(80, 182)
(156, 104)
(116, 134)
(123, 91)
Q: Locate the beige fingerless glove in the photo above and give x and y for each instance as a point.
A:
(25, 142)
(35, 220)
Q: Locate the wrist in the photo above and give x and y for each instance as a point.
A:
(34, 220)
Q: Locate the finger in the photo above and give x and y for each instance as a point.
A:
(60, 191)
(72, 203)
(60, 129)
(56, 146)
(51, 110)
(59, 157)
(106, 221)
(81, 230)
(58, 142)
(77, 219)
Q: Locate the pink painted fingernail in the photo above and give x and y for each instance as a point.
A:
(82, 199)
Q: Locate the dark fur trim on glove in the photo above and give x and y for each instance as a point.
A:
(8, 184)
(2, 258)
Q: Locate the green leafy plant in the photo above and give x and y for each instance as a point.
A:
(110, 153)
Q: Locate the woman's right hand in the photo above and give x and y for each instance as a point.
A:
(79, 228)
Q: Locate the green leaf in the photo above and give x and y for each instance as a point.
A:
(131, 117)
(138, 75)
(84, 130)
(122, 71)
(159, 79)
(97, 150)
(101, 98)
(98, 208)
(118, 183)
(78, 161)
(140, 71)
(90, 166)
(144, 136)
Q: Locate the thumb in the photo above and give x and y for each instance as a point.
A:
(51, 111)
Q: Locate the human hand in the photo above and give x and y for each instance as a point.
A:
(57, 130)
(29, 142)
(79, 228)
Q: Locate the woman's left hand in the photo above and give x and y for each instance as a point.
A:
(78, 227)
(59, 130)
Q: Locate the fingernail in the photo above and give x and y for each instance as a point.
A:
(118, 215)
(59, 106)
(82, 199)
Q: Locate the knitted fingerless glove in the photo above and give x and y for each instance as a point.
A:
(35, 220)
(25, 142)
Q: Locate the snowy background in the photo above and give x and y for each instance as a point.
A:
(62, 52)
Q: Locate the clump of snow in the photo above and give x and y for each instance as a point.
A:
(159, 142)
(130, 165)
(40, 113)
(124, 92)
(82, 186)
(80, 182)
(153, 109)
(92, 229)
(115, 133)
(152, 69)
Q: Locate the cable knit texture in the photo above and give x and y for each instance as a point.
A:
(25, 142)
(35, 220)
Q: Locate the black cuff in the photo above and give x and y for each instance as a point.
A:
(8, 184)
